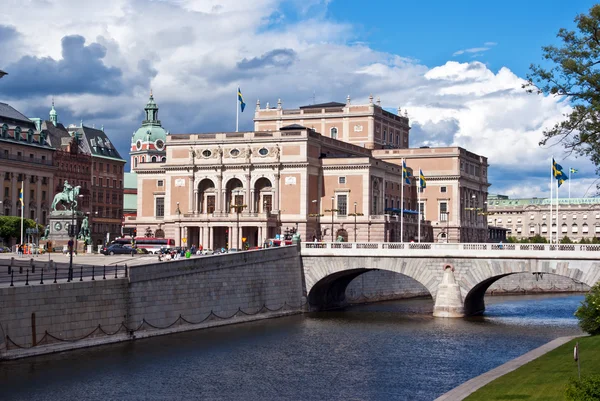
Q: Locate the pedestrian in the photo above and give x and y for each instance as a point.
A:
(500, 245)
(315, 238)
(20, 249)
(132, 251)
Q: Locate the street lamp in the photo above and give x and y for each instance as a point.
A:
(72, 242)
(332, 210)
(316, 216)
(355, 214)
(179, 222)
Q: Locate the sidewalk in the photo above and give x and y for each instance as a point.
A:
(469, 387)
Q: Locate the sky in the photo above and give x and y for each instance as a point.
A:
(455, 67)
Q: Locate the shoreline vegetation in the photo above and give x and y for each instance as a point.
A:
(546, 377)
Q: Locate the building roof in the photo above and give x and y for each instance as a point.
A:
(9, 114)
(129, 202)
(98, 142)
(323, 105)
(292, 127)
(151, 129)
(130, 181)
(502, 202)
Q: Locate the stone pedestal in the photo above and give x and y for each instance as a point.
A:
(59, 222)
(448, 302)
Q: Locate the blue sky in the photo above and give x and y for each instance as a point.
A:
(456, 67)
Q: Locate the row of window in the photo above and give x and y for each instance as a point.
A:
(20, 177)
(109, 198)
(20, 155)
(532, 217)
(101, 182)
(102, 165)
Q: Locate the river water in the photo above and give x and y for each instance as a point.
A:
(386, 351)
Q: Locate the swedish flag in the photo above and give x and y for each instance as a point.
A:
(558, 173)
(422, 180)
(241, 99)
(573, 170)
(405, 173)
(21, 196)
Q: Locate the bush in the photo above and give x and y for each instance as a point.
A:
(589, 311)
(586, 389)
(566, 240)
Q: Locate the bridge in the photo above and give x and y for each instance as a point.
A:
(456, 275)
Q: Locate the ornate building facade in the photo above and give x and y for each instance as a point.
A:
(238, 189)
(26, 161)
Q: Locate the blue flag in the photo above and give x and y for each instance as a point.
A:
(422, 179)
(241, 99)
(405, 173)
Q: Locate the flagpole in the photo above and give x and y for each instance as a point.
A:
(22, 209)
(402, 205)
(551, 197)
(557, 234)
(569, 183)
(419, 207)
(237, 111)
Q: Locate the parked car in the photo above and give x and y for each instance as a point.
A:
(143, 251)
(5, 249)
(207, 252)
(231, 250)
(116, 249)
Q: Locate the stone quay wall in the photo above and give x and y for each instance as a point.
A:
(151, 298)
(66, 310)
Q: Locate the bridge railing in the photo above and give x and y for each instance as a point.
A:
(452, 246)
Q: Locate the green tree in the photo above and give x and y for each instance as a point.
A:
(595, 240)
(10, 227)
(584, 240)
(512, 240)
(538, 239)
(573, 73)
(589, 311)
(566, 240)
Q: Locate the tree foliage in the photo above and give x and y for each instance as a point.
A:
(589, 311)
(586, 389)
(572, 71)
(10, 227)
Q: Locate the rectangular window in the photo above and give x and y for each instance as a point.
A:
(422, 210)
(531, 217)
(210, 204)
(342, 205)
(160, 183)
(120, 184)
(114, 183)
(160, 207)
(584, 229)
(108, 168)
(509, 220)
(585, 216)
(442, 189)
(544, 217)
(531, 229)
(43, 195)
(6, 192)
(7, 176)
(341, 180)
(443, 211)
(544, 229)
(31, 194)
(519, 220)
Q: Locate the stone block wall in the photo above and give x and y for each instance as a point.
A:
(67, 310)
(221, 284)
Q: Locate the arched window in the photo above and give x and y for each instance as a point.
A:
(333, 133)
(153, 159)
(563, 228)
(384, 136)
(574, 228)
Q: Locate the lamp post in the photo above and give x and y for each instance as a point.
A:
(72, 240)
(179, 222)
(332, 210)
(355, 214)
(238, 209)
(316, 216)
(447, 227)
(354, 221)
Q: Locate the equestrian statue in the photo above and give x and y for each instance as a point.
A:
(67, 196)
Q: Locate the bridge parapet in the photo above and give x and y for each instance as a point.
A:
(458, 250)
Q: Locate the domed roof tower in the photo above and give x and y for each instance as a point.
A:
(149, 141)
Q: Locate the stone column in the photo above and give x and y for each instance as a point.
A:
(260, 240)
(219, 202)
(38, 198)
(224, 207)
(26, 199)
(249, 201)
(14, 194)
(252, 201)
(448, 301)
(276, 194)
(196, 201)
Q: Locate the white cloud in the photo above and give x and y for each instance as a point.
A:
(197, 48)
(486, 46)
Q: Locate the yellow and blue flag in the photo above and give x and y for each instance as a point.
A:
(558, 173)
(573, 170)
(21, 196)
(241, 99)
(422, 180)
(405, 173)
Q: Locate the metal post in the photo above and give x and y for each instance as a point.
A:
(81, 273)
(447, 227)
(179, 222)
(55, 273)
(42, 276)
(332, 200)
(27, 278)
(72, 243)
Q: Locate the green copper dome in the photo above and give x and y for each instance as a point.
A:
(151, 129)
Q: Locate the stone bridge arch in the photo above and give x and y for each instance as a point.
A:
(327, 277)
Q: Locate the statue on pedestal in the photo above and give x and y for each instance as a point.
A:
(67, 196)
(84, 232)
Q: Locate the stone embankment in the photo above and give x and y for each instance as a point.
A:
(155, 299)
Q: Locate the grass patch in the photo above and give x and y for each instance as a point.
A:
(546, 377)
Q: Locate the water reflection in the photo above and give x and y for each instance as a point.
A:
(387, 351)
